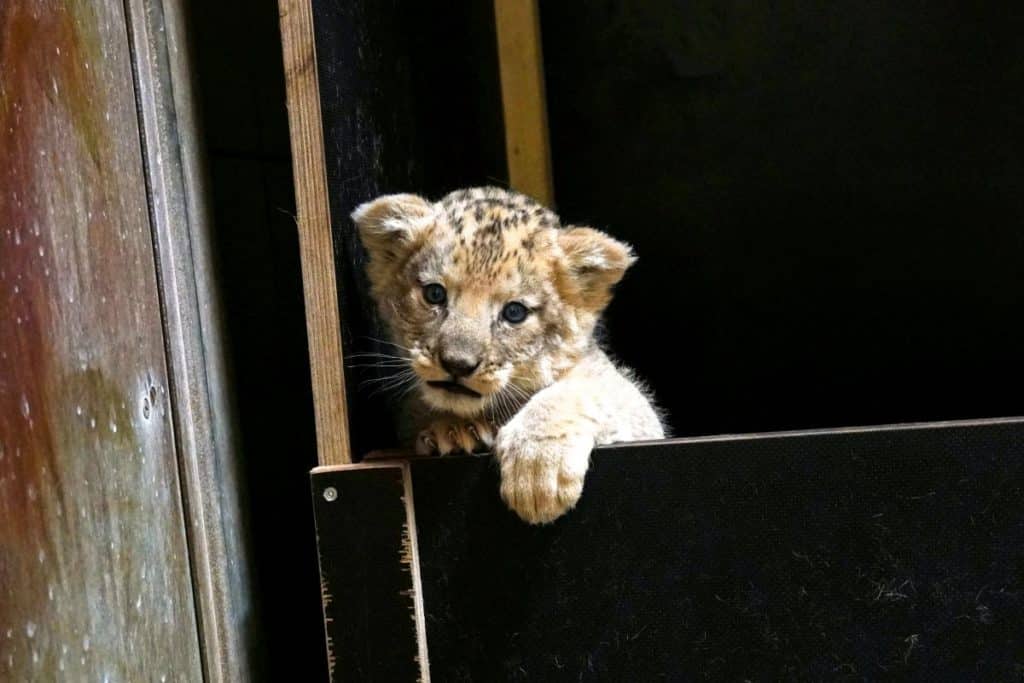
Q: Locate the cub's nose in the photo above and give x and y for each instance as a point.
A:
(459, 365)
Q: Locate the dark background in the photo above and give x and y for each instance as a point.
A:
(826, 199)
(240, 78)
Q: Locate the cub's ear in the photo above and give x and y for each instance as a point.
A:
(392, 224)
(593, 263)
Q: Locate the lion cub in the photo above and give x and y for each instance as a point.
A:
(493, 303)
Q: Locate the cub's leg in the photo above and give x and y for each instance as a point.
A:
(544, 450)
(543, 462)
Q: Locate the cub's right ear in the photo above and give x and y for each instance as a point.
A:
(392, 224)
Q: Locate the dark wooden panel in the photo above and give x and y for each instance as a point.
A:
(94, 573)
(856, 555)
(365, 578)
(838, 555)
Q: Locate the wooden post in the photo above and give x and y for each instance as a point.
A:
(517, 23)
(323, 323)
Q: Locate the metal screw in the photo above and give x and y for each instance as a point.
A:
(330, 494)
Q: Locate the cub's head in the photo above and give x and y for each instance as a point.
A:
(487, 295)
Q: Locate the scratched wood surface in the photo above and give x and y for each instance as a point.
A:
(94, 573)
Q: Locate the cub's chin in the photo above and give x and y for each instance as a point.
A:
(456, 399)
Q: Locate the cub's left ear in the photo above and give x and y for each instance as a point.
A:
(594, 263)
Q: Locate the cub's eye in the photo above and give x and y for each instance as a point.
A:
(435, 294)
(514, 312)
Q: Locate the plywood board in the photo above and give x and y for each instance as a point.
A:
(864, 553)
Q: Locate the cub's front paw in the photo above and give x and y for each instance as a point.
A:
(453, 435)
(542, 476)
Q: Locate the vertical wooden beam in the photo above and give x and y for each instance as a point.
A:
(323, 322)
(202, 411)
(522, 93)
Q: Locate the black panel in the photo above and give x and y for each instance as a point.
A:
(367, 588)
(826, 197)
(853, 556)
(411, 103)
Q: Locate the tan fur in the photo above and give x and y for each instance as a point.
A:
(545, 388)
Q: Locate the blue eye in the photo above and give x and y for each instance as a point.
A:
(435, 294)
(514, 312)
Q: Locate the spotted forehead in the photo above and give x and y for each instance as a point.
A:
(492, 231)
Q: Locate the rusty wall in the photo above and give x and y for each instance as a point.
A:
(94, 571)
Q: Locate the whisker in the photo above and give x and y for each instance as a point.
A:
(389, 364)
(518, 391)
(405, 392)
(492, 406)
(373, 354)
(384, 379)
(505, 408)
(409, 386)
(392, 387)
(390, 343)
(396, 384)
(390, 375)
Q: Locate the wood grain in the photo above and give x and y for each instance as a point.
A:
(94, 571)
(205, 443)
(323, 324)
(522, 92)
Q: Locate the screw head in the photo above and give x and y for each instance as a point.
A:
(330, 494)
